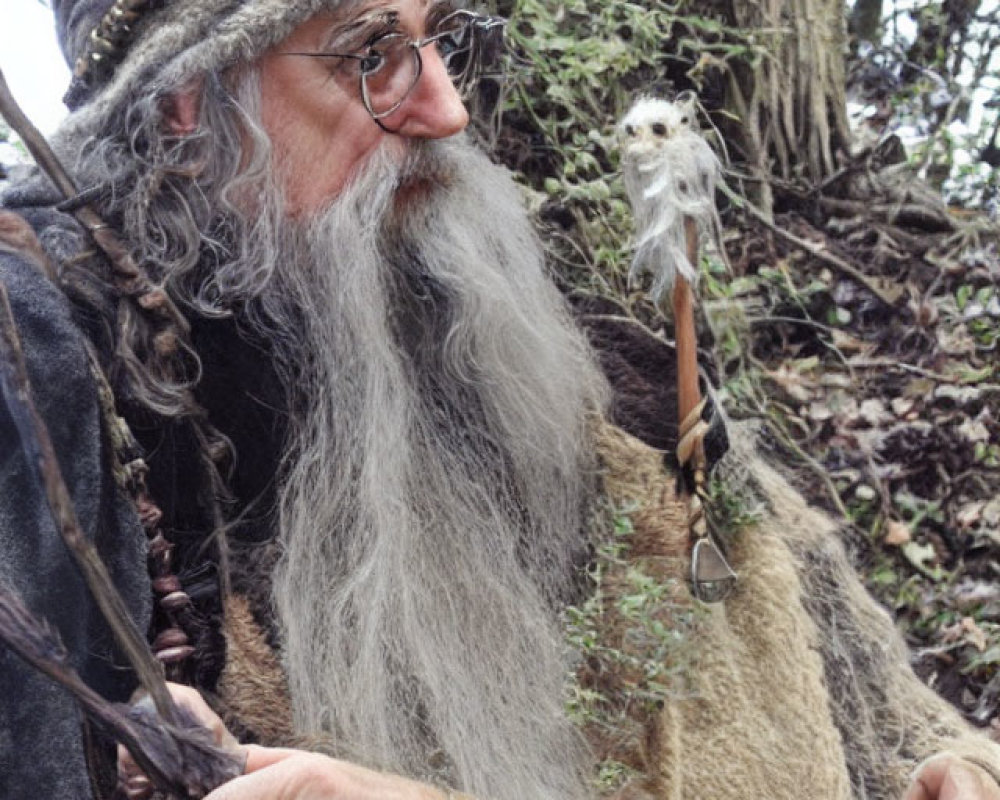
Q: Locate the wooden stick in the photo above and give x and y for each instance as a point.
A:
(688, 392)
(38, 444)
(37, 644)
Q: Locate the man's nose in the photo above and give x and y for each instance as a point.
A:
(434, 109)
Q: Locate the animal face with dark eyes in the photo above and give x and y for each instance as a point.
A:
(653, 122)
(669, 172)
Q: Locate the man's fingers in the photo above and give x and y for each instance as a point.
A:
(192, 701)
(278, 774)
(250, 787)
(137, 787)
(260, 757)
(134, 784)
(948, 777)
(927, 782)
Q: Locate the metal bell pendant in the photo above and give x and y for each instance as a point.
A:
(712, 579)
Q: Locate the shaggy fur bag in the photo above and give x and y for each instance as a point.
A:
(797, 686)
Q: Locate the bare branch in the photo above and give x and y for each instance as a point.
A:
(14, 386)
(813, 249)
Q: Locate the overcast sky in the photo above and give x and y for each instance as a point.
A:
(32, 61)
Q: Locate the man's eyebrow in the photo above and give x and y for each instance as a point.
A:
(377, 18)
(370, 24)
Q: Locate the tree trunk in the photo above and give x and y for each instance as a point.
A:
(790, 100)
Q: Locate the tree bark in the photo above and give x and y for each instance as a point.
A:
(791, 100)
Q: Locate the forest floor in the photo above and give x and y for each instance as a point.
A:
(865, 335)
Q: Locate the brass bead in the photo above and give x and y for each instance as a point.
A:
(160, 546)
(168, 584)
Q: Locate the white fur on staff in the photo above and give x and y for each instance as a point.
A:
(670, 173)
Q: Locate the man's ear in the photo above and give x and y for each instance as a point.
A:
(180, 109)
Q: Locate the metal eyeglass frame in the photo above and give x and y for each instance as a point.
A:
(475, 26)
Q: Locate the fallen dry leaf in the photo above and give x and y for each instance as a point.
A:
(969, 515)
(972, 430)
(918, 387)
(991, 512)
(819, 412)
(901, 406)
(956, 341)
(897, 533)
(873, 411)
(921, 556)
(851, 344)
(793, 383)
(960, 395)
(974, 634)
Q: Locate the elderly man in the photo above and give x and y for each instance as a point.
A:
(375, 439)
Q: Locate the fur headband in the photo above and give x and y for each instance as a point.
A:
(120, 47)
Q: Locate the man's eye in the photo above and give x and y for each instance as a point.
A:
(371, 62)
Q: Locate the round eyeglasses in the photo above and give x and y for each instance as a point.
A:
(389, 68)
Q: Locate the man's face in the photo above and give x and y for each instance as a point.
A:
(312, 107)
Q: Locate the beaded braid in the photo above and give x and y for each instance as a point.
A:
(175, 620)
(171, 644)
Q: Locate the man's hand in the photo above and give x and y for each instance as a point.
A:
(134, 784)
(277, 774)
(948, 777)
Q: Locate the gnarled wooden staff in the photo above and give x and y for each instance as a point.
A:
(169, 336)
(670, 176)
(176, 755)
(180, 776)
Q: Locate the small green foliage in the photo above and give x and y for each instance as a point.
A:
(989, 658)
(917, 509)
(963, 294)
(884, 575)
(862, 509)
(613, 775)
(729, 510)
(987, 454)
(12, 149)
(641, 663)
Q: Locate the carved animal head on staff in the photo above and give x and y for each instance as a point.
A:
(670, 173)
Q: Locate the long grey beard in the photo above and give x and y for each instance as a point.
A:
(432, 508)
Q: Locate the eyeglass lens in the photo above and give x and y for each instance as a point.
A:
(392, 66)
(388, 74)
